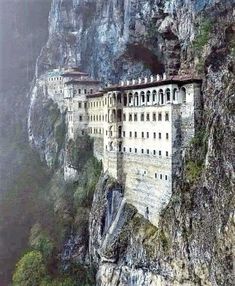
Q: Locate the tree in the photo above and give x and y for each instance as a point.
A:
(39, 240)
(30, 270)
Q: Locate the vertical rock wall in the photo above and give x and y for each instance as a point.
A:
(125, 39)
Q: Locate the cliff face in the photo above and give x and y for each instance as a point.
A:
(123, 39)
(117, 39)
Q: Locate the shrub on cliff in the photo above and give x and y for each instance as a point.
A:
(30, 270)
(40, 241)
(203, 35)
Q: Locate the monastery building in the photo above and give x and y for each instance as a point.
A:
(140, 128)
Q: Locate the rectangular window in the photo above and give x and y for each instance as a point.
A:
(167, 136)
(161, 176)
(135, 150)
(80, 118)
(166, 116)
(148, 151)
(130, 150)
(160, 153)
(159, 116)
(124, 116)
(154, 152)
(135, 117)
(160, 135)
(166, 177)
(147, 117)
(154, 116)
(130, 117)
(106, 132)
(85, 91)
(124, 133)
(135, 134)
(166, 153)
(147, 134)
(154, 135)
(155, 175)
(130, 134)
(142, 151)
(142, 134)
(142, 116)
(79, 105)
(85, 105)
(124, 149)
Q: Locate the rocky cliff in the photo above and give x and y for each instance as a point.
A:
(117, 39)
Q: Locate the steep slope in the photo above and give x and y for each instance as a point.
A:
(123, 39)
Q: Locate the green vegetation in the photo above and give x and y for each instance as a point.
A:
(195, 165)
(86, 186)
(60, 131)
(203, 36)
(201, 40)
(40, 241)
(30, 270)
(54, 208)
(164, 240)
(193, 171)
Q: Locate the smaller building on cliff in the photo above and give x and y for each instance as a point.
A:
(140, 129)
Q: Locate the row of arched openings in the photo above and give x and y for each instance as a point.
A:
(149, 98)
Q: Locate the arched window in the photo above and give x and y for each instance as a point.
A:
(161, 96)
(175, 94)
(183, 94)
(114, 98)
(113, 116)
(148, 96)
(120, 146)
(119, 115)
(136, 99)
(125, 99)
(142, 94)
(111, 146)
(119, 98)
(130, 98)
(119, 131)
(168, 95)
(154, 95)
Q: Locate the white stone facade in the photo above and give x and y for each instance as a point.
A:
(140, 129)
